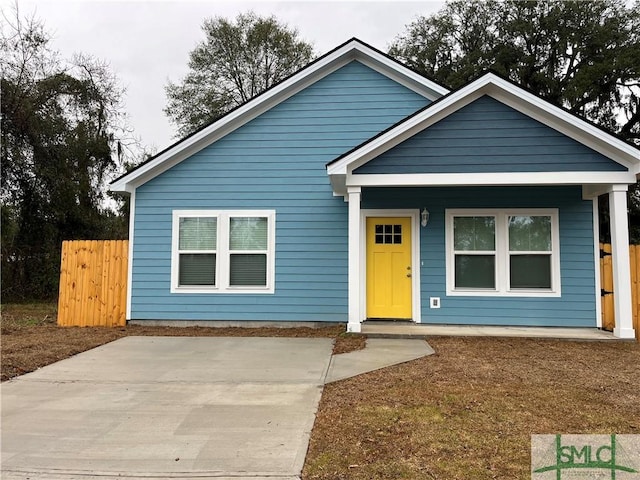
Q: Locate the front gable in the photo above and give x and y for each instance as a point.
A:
(351, 51)
(490, 132)
(488, 136)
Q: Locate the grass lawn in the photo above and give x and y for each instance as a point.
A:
(466, 412)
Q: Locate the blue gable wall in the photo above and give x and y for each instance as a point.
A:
(576, 306)
(277, 161)
(488, 136)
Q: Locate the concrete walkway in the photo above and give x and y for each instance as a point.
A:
(379, 353)
(178, 407)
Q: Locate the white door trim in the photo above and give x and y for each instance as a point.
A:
(414, 215)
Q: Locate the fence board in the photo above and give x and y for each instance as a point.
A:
(606, 280)
(93, 283)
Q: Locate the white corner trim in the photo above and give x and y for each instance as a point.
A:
(596, 259)
(132, 222)
(354, 262)
(223, 252)
(414, 215)
(352, 50)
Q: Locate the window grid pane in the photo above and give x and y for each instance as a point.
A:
(475, 271)
(530, 271)
(474, 233)
(388, 234)
(248, 233)
(530, 233)
(248, 270)
(198, 233)
(197, 269)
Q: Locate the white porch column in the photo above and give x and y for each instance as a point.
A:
(354, 259)
(620, 260)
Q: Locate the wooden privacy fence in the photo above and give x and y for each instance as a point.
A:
(607, 289)
(93, 283)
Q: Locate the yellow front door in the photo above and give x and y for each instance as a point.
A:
(389, 267)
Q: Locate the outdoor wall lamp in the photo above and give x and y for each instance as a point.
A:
(424, 217)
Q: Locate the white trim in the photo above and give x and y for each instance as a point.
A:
(352, 50)
(502, 253)
(622, 298)
(414, 215)
(489, 179)
(407, 78)
(355, 261)
(518, 98)
(132, 221)
(596, 259)
(223, 252)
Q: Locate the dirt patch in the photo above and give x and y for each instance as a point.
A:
(31, 339)
(469, 410)
(349, 342)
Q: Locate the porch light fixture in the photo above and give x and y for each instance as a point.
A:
(424, 217)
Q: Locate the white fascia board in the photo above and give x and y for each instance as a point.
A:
(406, 77)
(232, 121)
(354, 50)
(566, 123)
(509, 94)
(489, 179)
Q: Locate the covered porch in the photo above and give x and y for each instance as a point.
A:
(567, 313)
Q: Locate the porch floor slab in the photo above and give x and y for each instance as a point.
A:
(408, 330)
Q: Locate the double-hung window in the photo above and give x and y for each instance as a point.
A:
(503, 252)
(219, 251)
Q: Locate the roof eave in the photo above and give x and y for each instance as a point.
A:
(352, 50)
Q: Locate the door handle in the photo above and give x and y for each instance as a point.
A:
(408, 275)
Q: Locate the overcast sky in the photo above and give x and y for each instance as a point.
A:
(148, 42)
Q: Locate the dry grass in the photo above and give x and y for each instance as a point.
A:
(468, 411)
(465, 413)
(31, 339)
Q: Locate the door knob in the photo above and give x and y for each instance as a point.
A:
(408, 275)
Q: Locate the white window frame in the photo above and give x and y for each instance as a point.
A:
(502, 253)
(223, 252)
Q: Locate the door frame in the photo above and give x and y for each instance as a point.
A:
(414, 215)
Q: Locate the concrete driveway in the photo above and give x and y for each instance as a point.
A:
(167, 407)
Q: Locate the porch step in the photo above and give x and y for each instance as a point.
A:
(413, 330)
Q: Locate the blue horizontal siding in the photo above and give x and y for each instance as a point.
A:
(276, 161)
(487, 136)
(576, 306)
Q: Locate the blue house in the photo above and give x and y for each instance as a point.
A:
(357, 189)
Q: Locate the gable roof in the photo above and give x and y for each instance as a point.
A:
(349, 51)
(504, 91)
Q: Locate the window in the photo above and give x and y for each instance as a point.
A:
(474, 242)
(386, 234)
(512, 252)
(223, 251)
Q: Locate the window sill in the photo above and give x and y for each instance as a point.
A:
(508, 293)
(216, 291)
